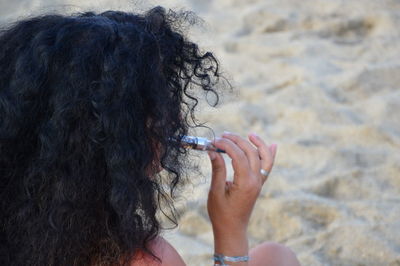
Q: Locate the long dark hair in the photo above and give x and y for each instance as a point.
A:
(88, 104)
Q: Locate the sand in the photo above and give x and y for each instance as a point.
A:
(320, 79)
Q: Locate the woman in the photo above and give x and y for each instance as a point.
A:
(89, 104)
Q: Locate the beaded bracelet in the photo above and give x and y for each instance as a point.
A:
(222, 258)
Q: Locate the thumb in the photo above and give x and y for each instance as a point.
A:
(218, 169)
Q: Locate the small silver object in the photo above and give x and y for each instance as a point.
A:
(198, 143)
(264, 172)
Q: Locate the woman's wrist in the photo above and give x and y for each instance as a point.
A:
(231, 243)
(220, 259)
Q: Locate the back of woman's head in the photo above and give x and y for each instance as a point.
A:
(88, 104)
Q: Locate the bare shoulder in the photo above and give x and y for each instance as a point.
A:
(162, 249)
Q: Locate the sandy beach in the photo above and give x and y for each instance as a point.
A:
(322, 80)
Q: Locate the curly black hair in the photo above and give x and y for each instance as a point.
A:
(88, 106)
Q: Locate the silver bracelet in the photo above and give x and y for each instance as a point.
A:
(222, 258)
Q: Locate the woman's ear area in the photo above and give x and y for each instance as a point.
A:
(155, 166)
(156, 148)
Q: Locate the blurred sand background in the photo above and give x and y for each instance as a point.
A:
(319, 78)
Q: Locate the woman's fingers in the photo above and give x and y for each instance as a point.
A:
(245, 157)
(240, 163)
(267, 154)
(218, 175)
(250, 151)
(273, 149)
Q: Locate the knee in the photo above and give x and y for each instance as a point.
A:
(271, 253)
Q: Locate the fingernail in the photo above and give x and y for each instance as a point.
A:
(211, 154)
(273, 146)
(254, 134)
(227, 133)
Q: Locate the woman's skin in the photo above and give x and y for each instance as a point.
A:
(230, 205)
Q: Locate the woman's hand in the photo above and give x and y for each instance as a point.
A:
(230, 203)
